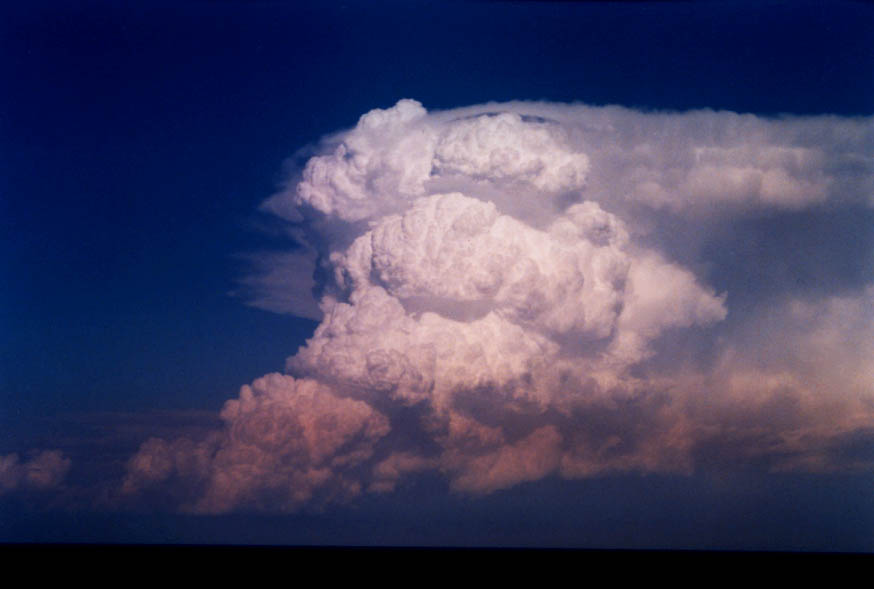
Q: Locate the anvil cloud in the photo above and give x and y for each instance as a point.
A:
(496, 288)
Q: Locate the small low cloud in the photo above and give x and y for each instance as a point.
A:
(41, 470)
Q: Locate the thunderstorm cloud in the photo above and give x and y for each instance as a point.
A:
(515, 291)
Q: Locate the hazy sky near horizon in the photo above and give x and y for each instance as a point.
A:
(475, 263)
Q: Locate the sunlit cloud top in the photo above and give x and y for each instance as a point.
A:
(497, 288)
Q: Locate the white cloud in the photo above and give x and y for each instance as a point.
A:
(506, 150)
(377, 166)
(493, 270)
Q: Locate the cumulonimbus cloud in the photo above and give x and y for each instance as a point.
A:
(492, 274)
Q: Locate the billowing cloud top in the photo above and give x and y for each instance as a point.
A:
(499, 273)
(390, 157)
(685, 162)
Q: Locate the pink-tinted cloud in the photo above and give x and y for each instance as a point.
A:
(495, 272)
(42, 470)
(285, 441)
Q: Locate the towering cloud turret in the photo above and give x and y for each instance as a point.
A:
(496, 288)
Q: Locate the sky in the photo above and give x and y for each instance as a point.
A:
(539, 274)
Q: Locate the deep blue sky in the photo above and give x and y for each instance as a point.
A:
(137, 140)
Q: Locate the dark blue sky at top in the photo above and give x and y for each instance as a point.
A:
(137, 140)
